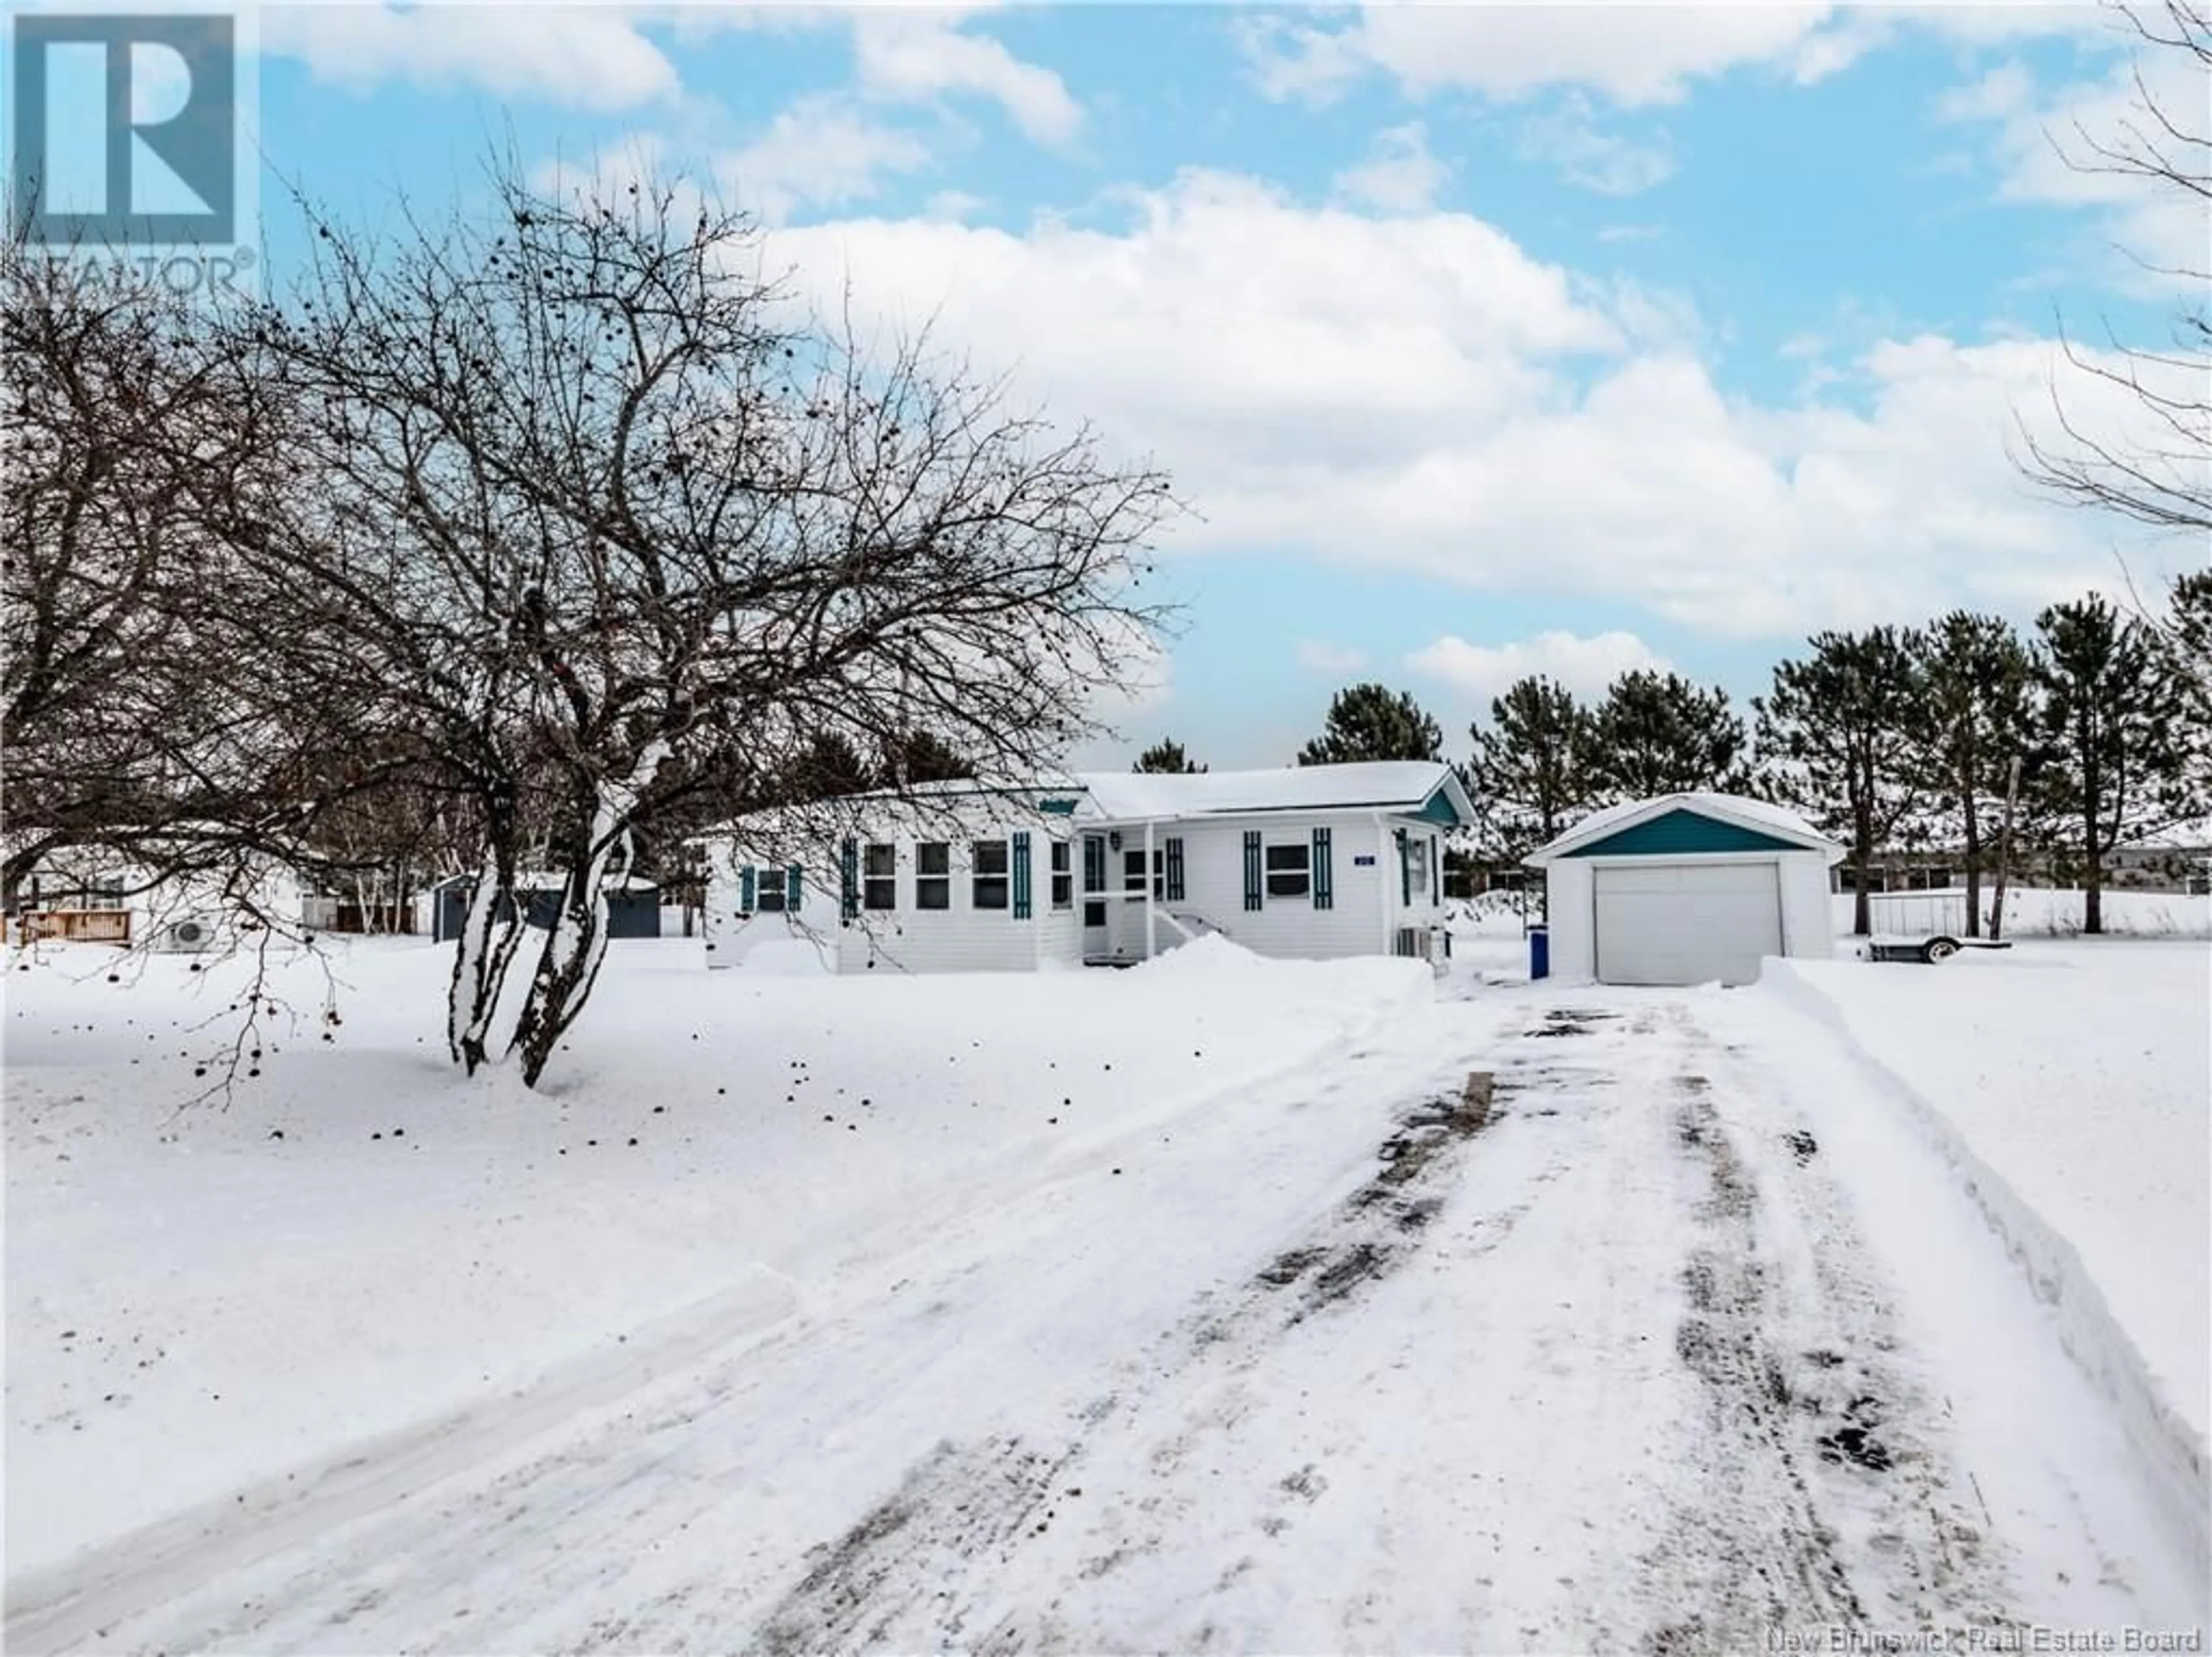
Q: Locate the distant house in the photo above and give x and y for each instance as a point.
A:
(1099, 868)
(632, 904)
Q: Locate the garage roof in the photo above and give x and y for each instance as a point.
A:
(1771, 823)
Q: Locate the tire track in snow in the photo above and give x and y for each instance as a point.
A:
(965, 1507)
(406, 1566)
(1828, 1499)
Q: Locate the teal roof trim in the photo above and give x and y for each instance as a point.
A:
(1679, 832)
(1438, 809)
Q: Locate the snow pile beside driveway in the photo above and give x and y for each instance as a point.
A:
(363, 1241)
(2067, 1085)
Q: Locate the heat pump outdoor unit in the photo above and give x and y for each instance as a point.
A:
(1424, 943)
(186, 937)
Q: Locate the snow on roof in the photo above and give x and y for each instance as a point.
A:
(1754, 813)
(1132, 796)
(1389, 785)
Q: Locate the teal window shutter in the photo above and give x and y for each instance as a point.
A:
(1405, 871)
(1021, 874)
(849, 879)
(1252, 899)
(791, 888)
(1175, 868)
(1324, 877)
(746, 887)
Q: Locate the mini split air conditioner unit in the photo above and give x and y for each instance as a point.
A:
(188, 936)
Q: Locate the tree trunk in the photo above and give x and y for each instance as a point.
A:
(487, 945)
(1861, 910)
(1973, 867)
(2092, 894)
(2004, 849)
(2092, 854)
(567, 963)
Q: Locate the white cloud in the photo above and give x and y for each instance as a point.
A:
(1644, 54)
(589, 57)
(821, 152)
(596, 56)
(1569, 139)
(1585, 666)
(1631, 233)
(1400, 175)
(1417, 392)
(2046, 149)
(956, 204)
(1319, 656)
(916, 55)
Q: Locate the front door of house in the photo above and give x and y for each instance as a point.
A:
(1129, 908)
(1097, 906)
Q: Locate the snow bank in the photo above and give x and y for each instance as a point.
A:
(363, 1241)
(1210, 953)
(2073, 1114)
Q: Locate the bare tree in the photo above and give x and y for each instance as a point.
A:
(617, 538)
(154, 707)
(2162, 478)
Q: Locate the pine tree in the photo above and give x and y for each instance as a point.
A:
(830, 767)
(1167, 755)
(2186, 633)
(1658, 733)
(2119, 760)
(1844, 733)
(1368, 722)
(1980, 711)
(921, 756)
(1529, 773)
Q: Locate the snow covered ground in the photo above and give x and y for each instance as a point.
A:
(2071, 1084)
(1191, 1307)
(2056, 912)
(359, 1240)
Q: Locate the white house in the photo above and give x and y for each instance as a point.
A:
(1099, 868)
(1687, 889)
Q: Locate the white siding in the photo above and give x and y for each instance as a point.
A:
(1808, 928)
(1363, 920)
(961, 938)
(1367, 908)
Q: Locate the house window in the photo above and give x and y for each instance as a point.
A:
(1132, 871)
(990, 874)
(768, 891)
(932, 875)
(1289, 870)
(1094, 912)
(880, 889)
(1416, 872)
(1063, 876)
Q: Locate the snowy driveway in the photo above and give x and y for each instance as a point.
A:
(1329, 1366)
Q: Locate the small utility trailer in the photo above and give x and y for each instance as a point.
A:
(1930, 927)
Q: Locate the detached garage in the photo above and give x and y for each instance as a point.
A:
(1687, 888)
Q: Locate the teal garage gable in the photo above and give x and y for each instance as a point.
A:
(1679, 832)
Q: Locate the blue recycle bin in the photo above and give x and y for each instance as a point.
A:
(1540, 952)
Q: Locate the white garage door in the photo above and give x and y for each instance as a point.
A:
(1686, 922)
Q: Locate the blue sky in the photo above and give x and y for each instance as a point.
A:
(1485, 339)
